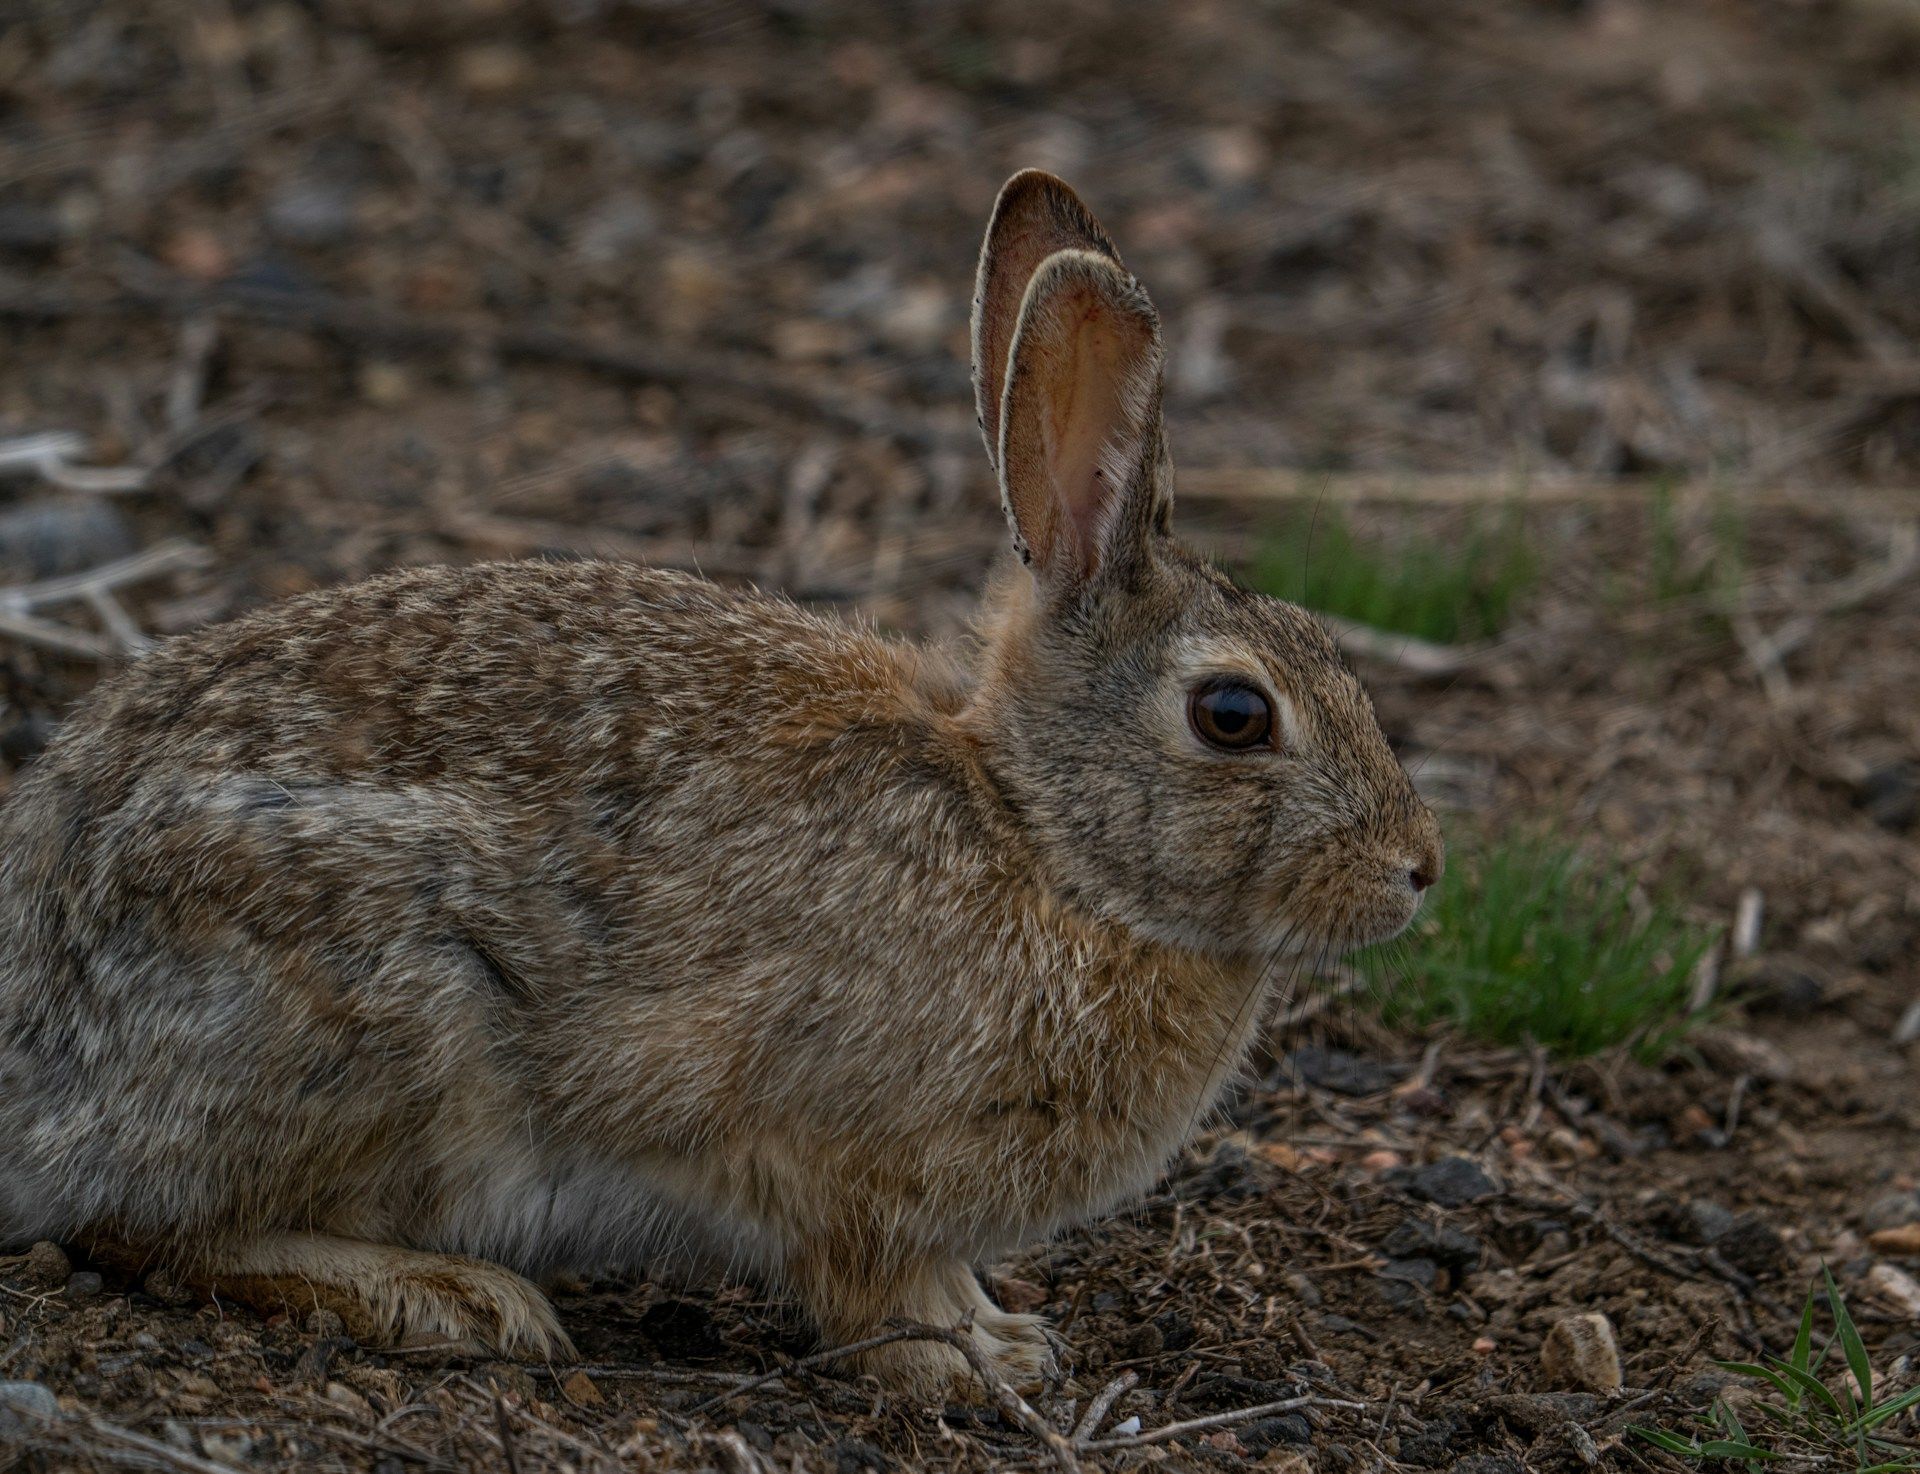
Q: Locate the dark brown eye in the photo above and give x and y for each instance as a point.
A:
(1229, 715)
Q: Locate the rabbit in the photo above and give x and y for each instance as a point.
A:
(391, 947)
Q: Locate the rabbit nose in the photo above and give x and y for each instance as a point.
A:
(1420, 877)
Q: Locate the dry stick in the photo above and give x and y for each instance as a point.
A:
(1768, 653)
(506, 1434)
(1420, 657)
(1101, 1405)
(163, 1455)
(1278, 484)
(961, 1339)
(1218, 1420)
(370, 326)
(807, 1363)
(95, 587)
(30, 631)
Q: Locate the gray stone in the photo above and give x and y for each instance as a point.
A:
(1451, 1182)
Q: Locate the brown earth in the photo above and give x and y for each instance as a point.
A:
(351, 283)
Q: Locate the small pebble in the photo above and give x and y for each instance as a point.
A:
(1895, 1210)
(1898, 1288)
(1903, 1240)
(1581, 1352)
(84, 1285)
(47, 1264)
(27, 1398)
(581, 1392)
(1451, 1182)
(1125, 1428)
(325, 1323)
(168, 1288)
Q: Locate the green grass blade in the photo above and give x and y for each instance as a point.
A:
(1850, 1342)
(1803, 1340)
(1811, 1386)
(1686, 1448)
(1728, 1448)
(1891, 1408)
(1747, 1369)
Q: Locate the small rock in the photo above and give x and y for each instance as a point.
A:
(1258, 1437)
(168, 1288)
(30, 232)
(855, 1455)
(1892, 1211)
(1752, 1245)
(1706, 1222)
(1580, 1351)
(1904, 1240)
(1895, 1286)
(1022, 1297)
(326, 1323)
(1125, 1428)
(1422, 1272)
(384, 384)
(1778, 984)
(1415, 1238)
(197, 253)
(311, 212)
(1890, 795)
(83, 1285)
(1380, 1161)
(492, 70)
(581, 1392)
(44, 539)
(1338, 1071)
(1451, 1182)
(47, 1264)
(26, 1402)
(1177, 1333)
(343, 1396)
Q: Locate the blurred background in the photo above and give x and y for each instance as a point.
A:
(1567, 354)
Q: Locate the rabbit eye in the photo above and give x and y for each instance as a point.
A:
(1230, 716)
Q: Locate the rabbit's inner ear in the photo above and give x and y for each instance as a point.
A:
(1080, 417)
(1035, 216)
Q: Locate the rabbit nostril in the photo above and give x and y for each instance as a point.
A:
(1419, 877)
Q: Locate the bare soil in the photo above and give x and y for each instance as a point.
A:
(352, 283)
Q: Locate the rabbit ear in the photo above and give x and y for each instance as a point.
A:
(1083, 469)
(1035, 216)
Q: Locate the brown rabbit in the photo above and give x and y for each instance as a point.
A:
(399, 941)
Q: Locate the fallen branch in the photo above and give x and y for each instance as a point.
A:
(1503, 488)
(1417, 657)
(50, 454)
(1102, 1404)
(81, 1433)
(369, 326)
(1218, 1420)
(961, 1339)
(93, 586)
(807, 1363)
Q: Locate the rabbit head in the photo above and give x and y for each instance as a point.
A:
(1192, 759)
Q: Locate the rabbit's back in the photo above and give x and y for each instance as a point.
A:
(325, 906)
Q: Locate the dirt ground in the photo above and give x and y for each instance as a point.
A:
(341, 284)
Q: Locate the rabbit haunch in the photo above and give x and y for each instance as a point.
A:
(400, 941)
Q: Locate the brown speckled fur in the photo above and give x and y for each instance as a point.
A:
(401, 940)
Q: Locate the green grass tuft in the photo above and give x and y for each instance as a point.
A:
(1446, 591)
(1802, 1415)
(1531, 940)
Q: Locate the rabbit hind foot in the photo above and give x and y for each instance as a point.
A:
(391, 1296)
